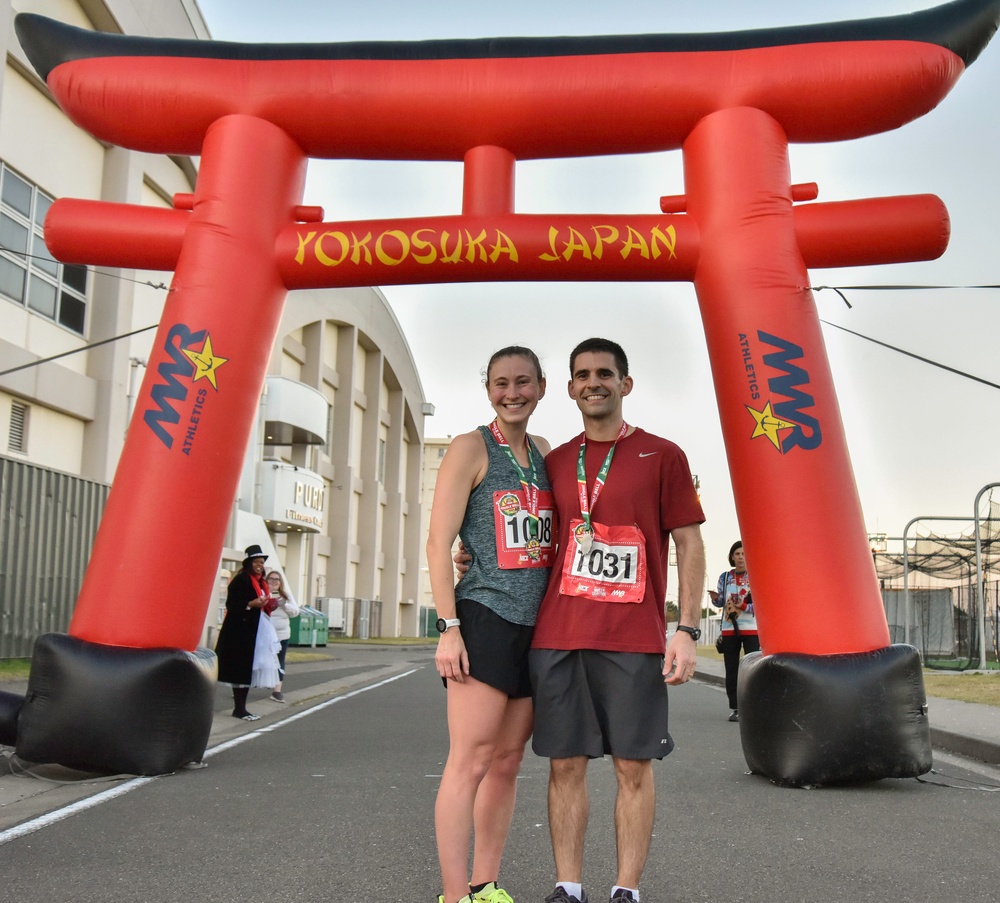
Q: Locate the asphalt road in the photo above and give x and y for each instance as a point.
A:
(332, 800)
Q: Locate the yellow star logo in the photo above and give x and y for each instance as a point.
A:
(205, 362)
(768, 425)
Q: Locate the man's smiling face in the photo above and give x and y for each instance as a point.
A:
(596, 386)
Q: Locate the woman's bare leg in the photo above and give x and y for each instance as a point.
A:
(494, 806)
(475, 716)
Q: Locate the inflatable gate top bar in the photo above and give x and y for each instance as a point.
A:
(535, 97)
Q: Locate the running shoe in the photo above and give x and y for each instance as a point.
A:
(277, 696)
(623, 896)
(559, 895)
(492, 894)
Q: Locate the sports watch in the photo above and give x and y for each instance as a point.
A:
(444, 623)
(695, 632)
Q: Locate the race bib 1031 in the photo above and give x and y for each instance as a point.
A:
(613, 569)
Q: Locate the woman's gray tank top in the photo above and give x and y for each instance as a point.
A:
(514, 594)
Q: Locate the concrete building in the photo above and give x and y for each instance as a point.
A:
(434, 450)
(332, 480)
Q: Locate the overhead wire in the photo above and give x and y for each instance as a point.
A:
(160, 286)
(840, 289)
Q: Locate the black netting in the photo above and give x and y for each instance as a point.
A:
(933, 589)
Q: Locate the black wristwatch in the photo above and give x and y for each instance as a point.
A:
(443, 625)
(695, 632)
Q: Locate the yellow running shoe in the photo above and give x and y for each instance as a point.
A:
(492, 894)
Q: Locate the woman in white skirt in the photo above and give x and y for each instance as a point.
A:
(280, 618)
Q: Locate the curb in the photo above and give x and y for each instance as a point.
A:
(970, 747)
(707, 678)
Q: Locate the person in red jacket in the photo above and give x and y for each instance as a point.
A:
(739, 624)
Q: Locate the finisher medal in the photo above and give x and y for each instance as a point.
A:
(584, 538)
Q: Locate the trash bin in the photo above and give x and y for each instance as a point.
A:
(302, 628)
(321, 627)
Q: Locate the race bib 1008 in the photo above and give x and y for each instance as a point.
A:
(516, 547)
(613, 569)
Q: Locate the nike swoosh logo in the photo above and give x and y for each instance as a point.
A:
(646, 454)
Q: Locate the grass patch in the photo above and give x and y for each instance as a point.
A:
(386, 641)
(297, 655)
(981, 688)
(322, 653)
(709, 653)
(14, 668)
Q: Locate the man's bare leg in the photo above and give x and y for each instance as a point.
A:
(569, 810)
(634, 811)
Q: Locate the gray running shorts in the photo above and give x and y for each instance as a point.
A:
(593, 703)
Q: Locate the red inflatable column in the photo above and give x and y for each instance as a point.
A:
(172, 496)
(798, 507)
(828, 701)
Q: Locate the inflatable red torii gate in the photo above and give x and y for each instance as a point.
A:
(732, 102)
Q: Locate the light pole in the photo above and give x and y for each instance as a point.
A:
(980, 600)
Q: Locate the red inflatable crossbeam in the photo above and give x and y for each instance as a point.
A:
(535, 97)
(514, 247)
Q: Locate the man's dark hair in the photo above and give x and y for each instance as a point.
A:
(601, 345)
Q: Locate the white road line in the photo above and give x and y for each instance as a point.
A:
(50, 818)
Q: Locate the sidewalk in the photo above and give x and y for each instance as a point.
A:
(963, 728)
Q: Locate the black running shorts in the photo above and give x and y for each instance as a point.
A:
(593, 703)
(498, 649)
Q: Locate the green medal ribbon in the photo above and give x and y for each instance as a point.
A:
(529, 482)
(589, 500)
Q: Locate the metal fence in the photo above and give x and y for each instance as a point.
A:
(48, 521)
(944, 622)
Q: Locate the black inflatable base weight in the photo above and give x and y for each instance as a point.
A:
(10, 709)
(116, 709)
(834, 719)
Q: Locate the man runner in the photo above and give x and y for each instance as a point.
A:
(599, 660)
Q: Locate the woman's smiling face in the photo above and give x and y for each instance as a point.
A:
(514, 388)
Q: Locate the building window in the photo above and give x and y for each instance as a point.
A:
(17, 438)
(29, 274)
(381, 461)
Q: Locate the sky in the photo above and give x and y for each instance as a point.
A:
(923, 441)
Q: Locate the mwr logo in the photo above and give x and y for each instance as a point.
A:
(190, 358)
(787, 415)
